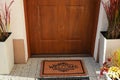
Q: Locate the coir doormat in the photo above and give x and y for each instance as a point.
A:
(62, 68)
(77, 78)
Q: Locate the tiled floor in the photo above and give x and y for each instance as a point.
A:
(31, 70)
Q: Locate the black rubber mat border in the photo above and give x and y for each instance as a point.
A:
(75, 78)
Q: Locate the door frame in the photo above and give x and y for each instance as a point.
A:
(94, 28)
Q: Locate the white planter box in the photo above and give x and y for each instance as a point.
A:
(6, 56)
(107, 46)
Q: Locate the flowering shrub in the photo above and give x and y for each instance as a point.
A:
(114, 73)
(112, 9)
(5, 20)
(112, 66)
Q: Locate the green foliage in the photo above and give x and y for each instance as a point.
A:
(116, 58)
(112, 66)
(112, 8)
(5, 21)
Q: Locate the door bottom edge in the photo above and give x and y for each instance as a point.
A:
(63, 55)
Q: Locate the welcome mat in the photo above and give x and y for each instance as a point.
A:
(78, 78)
(62, 68)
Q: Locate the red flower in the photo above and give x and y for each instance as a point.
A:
(103, 69)
(109, 59)
(105, 63)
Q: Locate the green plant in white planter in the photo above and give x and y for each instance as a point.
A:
(5, 21)
(112, 9)
(110, 39)
(6, 43)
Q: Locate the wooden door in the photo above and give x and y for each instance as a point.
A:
(61, 26)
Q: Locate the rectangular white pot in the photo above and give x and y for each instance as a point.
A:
(106, 47)
(6, 56)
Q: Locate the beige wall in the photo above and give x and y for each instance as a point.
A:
(18, 23)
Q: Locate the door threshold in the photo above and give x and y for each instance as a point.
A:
(58, 55)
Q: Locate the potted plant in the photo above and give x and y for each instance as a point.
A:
(6, 44)
(111, 66)
(110, 39)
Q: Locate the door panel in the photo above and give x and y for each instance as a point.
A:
(50, 47)
(48, 23)
(47, 2)
(73, 47)
(74, 2)
(73, 23)
(76, 28)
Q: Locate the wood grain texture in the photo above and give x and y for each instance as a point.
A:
(61, 26)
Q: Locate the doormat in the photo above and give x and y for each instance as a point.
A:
(77, 78)
(63, 68)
